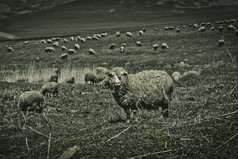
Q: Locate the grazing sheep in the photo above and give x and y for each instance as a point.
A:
(141, 32)
(195, 25)
(202, 29)
(144, 29)
(72, 38)
(10, 49)
(70, 80)
(43, 41)
(91, 51)
(102, 70)
(65, 41)
(98, 36)
(53, 39)
(49, 89)
(123, 44)
(89, 77)
(49, 49)
(64, 48)
(76, 46)
(176, 76)
(212, 28)
(49, 41)
(64, 56)
(129, 34)
(82, 40)
(95, 38)
(122, 49)
(26, 42)
(184, 26)
(117, 34)
(89, 38)
(231, 27)
(190, 73)
(71, 51)
(220, 28)
(221, 42)
(164, 46)
(112, 46)
(53, 78)
(155, 46)
(56, 44)
(147, 89)
(139, 44)
(31, 101)
(155, 29)
(178, 30)
(99, 78)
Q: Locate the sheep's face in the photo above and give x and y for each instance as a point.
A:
(116, 78)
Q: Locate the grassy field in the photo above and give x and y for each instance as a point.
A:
(203, 112)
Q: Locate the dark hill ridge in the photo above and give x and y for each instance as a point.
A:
(81, 16)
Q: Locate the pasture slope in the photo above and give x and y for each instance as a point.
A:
(203, 121)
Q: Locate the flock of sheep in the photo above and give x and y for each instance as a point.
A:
(148, 89)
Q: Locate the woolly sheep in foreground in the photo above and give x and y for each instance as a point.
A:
(147, 89)
(89, 77)
(31, 101)
(49, 89)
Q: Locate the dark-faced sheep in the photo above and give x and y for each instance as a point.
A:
(31, 101)
(147, 89)
(89, 77)
(49, 89)
(70, 80)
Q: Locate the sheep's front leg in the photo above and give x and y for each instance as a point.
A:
(165, 111)
(128, 114)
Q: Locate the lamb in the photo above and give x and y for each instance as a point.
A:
(10, 49)
(139, 44)
(76, 46)
(164, 46)
(49, 89)
(221, 42)
(64, 48)
(89, 77)
(31, 101)
(49, 49)
(147, 89)
(176, 76)
(64, 56)
(112, 46)
(91, 51)
(129, 34)
(71, 51)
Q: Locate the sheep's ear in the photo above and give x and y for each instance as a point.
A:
(110, 74)
(124, 73)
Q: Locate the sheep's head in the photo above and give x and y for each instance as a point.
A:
(117, 78)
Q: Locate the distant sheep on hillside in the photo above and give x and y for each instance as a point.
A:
(139, 44)
(71, 51)
(64, 56)
(164, 46)
(49, 89)
(49, 49)
(10, 49)
(122, 49)
(202, 29)
(129, 34)
(64, 48)
(89, 77)
(141, 32)
(56, 44)
(77, 46)
(112, 46)
(221, 42)
(91, 51)
(155, 46)
(117, 34)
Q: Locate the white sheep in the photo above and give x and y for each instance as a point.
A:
(82, 40)
(64, 48)
(112, 46)
(89, 77)
(56, 44)
(147, 89)
(212, 28)
(139, 44)
(10, 49)
(49, 41)
(31, 101)
(129, 34)
(49, 49)
(220, 28)
(26, 42)
(221, 42)
(89, 38)
(122, 49)
(164, 46)
(43, 41)
(91, 51)
(202, 29)
(65, 41)
(117, 34)
(71, 51)
(72, 38)
(76, 46)
(64, 56)
(155, 46)
(141, 32)
(49, 89)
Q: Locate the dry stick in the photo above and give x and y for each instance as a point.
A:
(231, 113)
(154, 153)
(118, 134)
(48, 152)
(38, 132)
(227, 141)
(27, 146)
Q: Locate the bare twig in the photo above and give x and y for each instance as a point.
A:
(24, 117)
(38, 132)
(27, 145)
(231, 113)
(118, 134)
(227, 141)
(154, 153)
(48, 152)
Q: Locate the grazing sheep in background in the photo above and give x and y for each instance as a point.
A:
(49, 89)
(155, 29)
(221, 42)
(98, 36)
(49, 41)
(89, 38)
(202, 29)
(129, 34)
(117, 34)
(56, 44)
(71, 51)
(212, 28)
(139, 44)
(164, 46)
(91, 51)
(82, 40)
(76, 46)
(10, 49)
(147, 89)
(64, 56)
(72, 38)
(236, 33)
(195, 25)
(184, 26)
(99, 78)
(31, 101)
(176, 76)
(70, 80)
(53, 78)
(122, 49)
(178, 30)
(144, 29)
(220, 28)
(43, 41)
(64, 48)
(95, 38)
(89, 77)
(49, 49)
(141, 32)
(155, 46)
(112, 46)
(102, 70)
(65, 41)
(231, 27)
(26, 42)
